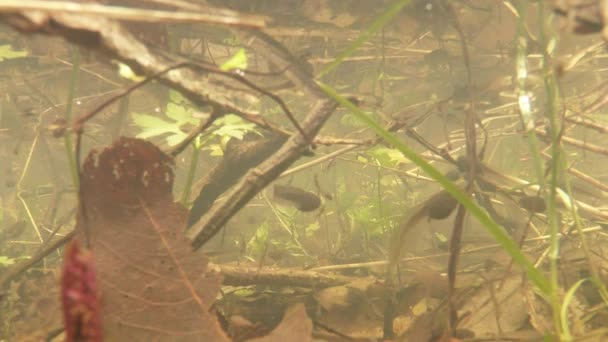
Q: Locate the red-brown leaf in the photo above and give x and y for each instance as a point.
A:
(154, 287)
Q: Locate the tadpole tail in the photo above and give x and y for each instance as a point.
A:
(400, 234)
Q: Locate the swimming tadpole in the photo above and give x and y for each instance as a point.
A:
(533, 204)
(302, 200)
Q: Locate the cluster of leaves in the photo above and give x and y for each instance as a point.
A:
(181, 115)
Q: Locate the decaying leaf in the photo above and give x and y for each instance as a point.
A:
(153, 286)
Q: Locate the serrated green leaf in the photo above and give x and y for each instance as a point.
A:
(152, 126)
(149, 121)
(237, 61)
(180, 114)
(176, 112)
(150, 133)
(229, 119)
(230, 132)
(233, 126)
(176, 138)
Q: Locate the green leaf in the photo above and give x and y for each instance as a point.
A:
(388, 156)
(258, 242)
(180, 114)
(153, 126)
(350, 121)
(233, 126)
(237, 61)
(311, 229)
(176, 138)
(7, 52)
(6, 261)
(125, 71)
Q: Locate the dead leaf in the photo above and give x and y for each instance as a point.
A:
(153, 286)
(334, 298)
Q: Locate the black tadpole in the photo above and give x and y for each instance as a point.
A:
(301, 199)
(533, 204)
(440, 205)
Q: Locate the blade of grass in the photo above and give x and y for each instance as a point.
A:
(494, 229)
(552, 97)
(523, 96)
(69, 148)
